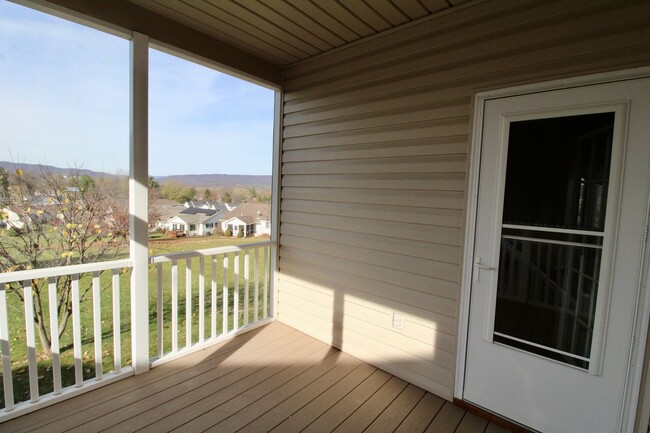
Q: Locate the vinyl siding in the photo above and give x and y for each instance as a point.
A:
(374, 160)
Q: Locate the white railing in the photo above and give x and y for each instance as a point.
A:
(45, 289)
(227, 291)
(231, 284)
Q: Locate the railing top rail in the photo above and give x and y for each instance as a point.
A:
(10, 277)
(160, 258)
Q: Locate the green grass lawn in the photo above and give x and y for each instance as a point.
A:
(16, 318)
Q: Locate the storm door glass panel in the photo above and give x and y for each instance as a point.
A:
(555, 198)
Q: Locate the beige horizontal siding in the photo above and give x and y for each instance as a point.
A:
(397, 296)
(374, 166)
(371, 213)
(424, 147)
(397, 229)
(415, 328)
(404, 247)
(399, 132)
(387, 260)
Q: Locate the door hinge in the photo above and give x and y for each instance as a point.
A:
(645, 234)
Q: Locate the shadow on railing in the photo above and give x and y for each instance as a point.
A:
(227, 290)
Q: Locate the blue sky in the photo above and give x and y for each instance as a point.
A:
(64, 101)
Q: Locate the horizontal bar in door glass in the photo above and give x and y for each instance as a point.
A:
(546, 294)
(556, 355)
(582, 239)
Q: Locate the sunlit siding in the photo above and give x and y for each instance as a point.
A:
(374, 162)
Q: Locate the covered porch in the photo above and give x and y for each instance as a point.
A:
(375, 158)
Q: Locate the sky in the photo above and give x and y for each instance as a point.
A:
(64, 101)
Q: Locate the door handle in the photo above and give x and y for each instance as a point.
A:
(478, 266)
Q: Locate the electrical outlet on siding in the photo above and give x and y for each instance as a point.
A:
(398, 321)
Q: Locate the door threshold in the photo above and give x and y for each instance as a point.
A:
(492, 417)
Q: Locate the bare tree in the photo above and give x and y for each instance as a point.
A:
(59, 220)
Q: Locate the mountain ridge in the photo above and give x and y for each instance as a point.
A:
(218, 179)
(12, 166)
(207, 179)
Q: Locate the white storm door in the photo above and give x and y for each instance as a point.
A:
(561, 211)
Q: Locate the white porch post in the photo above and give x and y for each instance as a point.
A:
(138, 202)
(275, 197)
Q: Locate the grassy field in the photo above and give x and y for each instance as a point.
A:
(16, 318)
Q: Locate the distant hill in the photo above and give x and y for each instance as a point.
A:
(228, 180)
(37, 168)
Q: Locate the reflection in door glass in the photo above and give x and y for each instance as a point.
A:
(558, 170)
(553, 230)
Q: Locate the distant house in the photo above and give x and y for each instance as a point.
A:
(208, 204)
(11, 219)
(195, 221)
(162, 210)
(252, 218)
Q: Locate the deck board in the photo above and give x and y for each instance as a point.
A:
(273, 378)
(306, 415)
(447, 420)
(472, 424)
(393, 416)
(364, 415)
(421, 416)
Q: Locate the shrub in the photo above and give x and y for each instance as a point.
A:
(14, 232)
(227, 233)
(240, 233)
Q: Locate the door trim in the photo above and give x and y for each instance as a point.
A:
(642, 314)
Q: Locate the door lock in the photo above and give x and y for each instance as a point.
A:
(478, 266)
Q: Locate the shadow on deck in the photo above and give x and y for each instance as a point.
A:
(273, 378)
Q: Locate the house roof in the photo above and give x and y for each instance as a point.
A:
(198, 210)
(252, 210)
(244, 219)
(198, 218)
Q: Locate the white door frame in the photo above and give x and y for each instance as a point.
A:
(642, 315)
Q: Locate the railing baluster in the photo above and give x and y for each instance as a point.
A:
(201, 299)
(117, 329)
(228, 265)
(97, 321)
(174, 306)
(31, 340)
(256, 283)
(6, 351)
(76, 332)
(235, 293)
(266, 283)
(46, 285)
(188, 302)
(246, 295)
(224, 295)
(213, 307)
(159, 307)
(54, 334)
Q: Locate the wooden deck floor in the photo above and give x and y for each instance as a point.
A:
(271, 379)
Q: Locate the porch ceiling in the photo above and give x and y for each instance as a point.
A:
(283, 32)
